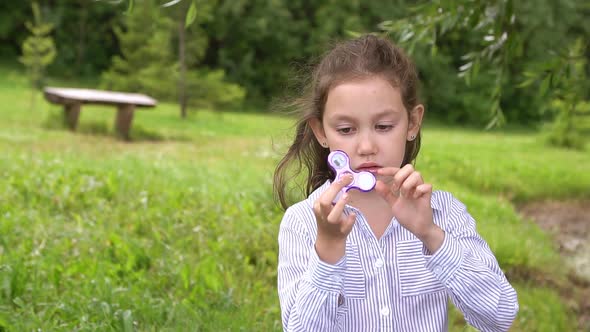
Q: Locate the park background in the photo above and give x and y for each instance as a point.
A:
(176, 229)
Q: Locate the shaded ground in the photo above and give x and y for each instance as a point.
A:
(569, 223)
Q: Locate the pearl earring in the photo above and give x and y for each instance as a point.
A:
(324, 144)
(412, 137)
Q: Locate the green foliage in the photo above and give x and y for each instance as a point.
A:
(446, 96)
(209, 89)
(38, 49)
(191, 14)
(571, 126)
(517, 166)
(276, 39)
(174, 257)
(569, 80)
(249, 52)
(543, 316)
(196, 36)
(13, 15)
(263, 46)
(483, 26)
(148, 62)
(145, 53)
(168, 235)
(84, 36)
(498, 38)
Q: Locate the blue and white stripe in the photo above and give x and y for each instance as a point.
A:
(391, 284)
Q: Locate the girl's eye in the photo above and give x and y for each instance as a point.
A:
(345, 130)
(384, 127)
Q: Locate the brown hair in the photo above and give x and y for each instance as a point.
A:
(358, 58)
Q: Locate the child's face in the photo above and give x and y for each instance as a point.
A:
(367, 120)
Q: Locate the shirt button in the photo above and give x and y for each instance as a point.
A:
(379, 263)
(336, 279)
(340, 300)
(437, 270)
(385, 311)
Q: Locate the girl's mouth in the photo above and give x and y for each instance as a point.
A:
(368, 167)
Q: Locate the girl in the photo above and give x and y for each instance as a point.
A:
(387, 259)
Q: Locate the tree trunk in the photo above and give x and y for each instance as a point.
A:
(81, 49)
(181, 62)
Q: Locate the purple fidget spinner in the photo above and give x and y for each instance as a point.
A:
(340, 163)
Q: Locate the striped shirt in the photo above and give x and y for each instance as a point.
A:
(391, 283)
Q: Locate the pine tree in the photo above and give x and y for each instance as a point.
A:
(38, 50)
(145, 62)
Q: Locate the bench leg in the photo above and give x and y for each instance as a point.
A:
(124, 119)
(71, 115)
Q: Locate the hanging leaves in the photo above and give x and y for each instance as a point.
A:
(191, 15)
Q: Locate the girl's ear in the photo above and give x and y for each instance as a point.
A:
(415, 121)
(318, 131)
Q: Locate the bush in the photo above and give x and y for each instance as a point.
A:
(571, 125)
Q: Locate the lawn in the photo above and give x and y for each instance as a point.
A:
(177, 229)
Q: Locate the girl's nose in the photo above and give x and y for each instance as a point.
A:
(366, 144)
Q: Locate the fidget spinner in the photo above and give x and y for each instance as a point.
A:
(340, 163)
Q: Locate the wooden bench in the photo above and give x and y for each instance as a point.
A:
(72, 100)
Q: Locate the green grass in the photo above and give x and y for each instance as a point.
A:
(177, 230)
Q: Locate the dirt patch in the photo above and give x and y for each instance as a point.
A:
(569, 224)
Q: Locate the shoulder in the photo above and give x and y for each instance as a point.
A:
(448, 211)
(299, 219)
(444, 201)
(301, 211)
(299, 216)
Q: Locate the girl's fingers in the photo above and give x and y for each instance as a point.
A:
(335, 215)
(385, 190)
(388, 171)
(386, 174)
(407, 182)
(401, 176)
(323, 205)
(409, 185)
(423, 189)
(347, 224)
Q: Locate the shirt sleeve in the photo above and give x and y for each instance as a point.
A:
(309, 289)
(467, 267)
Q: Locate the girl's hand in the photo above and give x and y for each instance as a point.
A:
(409, 198)
(333, 225)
